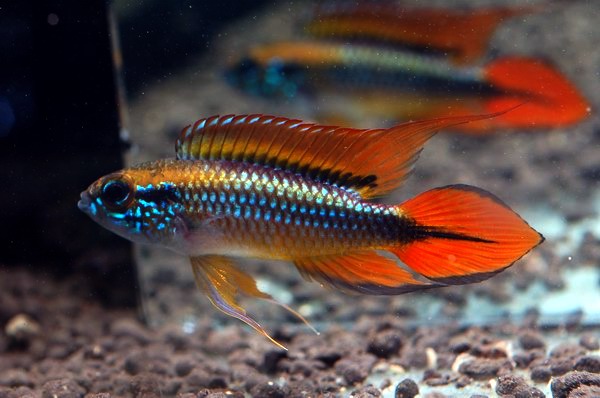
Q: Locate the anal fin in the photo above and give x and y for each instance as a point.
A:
(361, 272)
(222, 282)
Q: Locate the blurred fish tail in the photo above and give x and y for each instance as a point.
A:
(548, 98)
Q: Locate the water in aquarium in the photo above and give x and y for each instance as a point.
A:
(325, 198)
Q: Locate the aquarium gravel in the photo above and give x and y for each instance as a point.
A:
(68, 345)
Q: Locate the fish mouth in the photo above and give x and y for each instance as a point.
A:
(84, 203)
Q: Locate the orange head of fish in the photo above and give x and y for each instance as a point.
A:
(139, 204)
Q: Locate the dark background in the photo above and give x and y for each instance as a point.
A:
(59, 121)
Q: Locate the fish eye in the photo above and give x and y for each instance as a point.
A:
(116, 193)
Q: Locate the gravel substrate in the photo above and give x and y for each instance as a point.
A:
(58, 342)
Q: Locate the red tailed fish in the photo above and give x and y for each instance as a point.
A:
(399, 85)
(275, 188)
(463, 35)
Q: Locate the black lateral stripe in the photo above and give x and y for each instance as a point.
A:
(455, 236)
(407, 231)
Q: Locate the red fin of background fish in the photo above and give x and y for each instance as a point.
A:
(371, 162)
(221, 281)
(360, 272)
(467, 235)
(464, 35)
(549, 99)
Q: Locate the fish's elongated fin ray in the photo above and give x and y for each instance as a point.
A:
(361, 272)
(463, 234)
(222, 281)
(371, 162)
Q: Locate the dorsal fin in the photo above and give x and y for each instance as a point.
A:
(371, 162)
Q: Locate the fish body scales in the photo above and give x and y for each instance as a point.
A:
(251, 210)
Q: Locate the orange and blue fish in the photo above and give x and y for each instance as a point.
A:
(275, 188)
(462, 35)
(399, 85)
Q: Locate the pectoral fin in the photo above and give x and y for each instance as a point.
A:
(222, 281)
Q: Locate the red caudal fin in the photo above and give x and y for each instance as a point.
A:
(548, 98)
(462, 234)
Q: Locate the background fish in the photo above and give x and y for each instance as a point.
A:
(398, 85)
(462, 35)
(274, 188)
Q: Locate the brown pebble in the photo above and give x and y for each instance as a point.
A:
(560, 367)
(407, 388)
(525, 358)
(356, 368)
(271, 358)
(414, 358)
(183, 367)
(531, 340)
(589, 342)
(484, 368)
(541, 374)
(590, 363)
(385, 344)
(562, 386)
(567, 350)
(510, 384)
